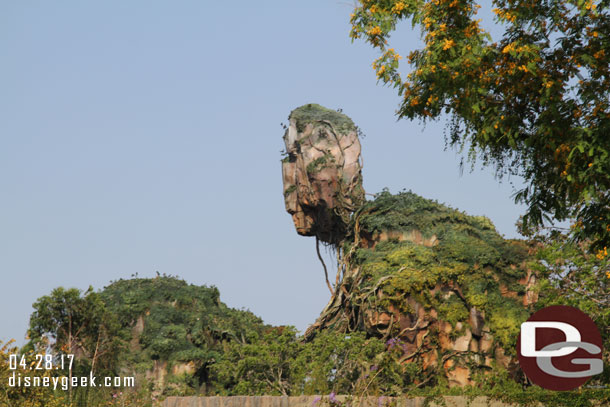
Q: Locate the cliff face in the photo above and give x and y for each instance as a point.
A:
(321, 172)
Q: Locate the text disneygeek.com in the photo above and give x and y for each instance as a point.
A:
(64, 382)
(50, 363)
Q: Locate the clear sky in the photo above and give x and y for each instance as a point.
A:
(144, 136)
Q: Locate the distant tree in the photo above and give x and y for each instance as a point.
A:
(71, 322)
(264, 365)
(535, 103)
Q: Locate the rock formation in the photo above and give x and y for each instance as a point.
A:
(321, 172)
(443, 286)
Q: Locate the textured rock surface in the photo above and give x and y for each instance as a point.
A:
(321, 172)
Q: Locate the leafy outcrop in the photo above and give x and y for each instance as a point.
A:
(175, 328)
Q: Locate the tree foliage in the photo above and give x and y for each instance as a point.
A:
(279, 362)
(534, 103)
(79, 323)
(572, 276)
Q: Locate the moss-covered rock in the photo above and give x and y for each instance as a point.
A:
(313, 113)
(444, 284)
(172, 328)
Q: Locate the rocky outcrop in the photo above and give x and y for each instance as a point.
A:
(440, 286)
(321, 172)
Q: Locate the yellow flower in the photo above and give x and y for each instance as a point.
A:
(375, 30)
(448, 44)
(508, 48)
(374, 8)
(398, 7)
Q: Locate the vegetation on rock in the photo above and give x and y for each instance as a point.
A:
(445, 284)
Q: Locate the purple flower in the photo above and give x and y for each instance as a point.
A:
(373, 368)
(332, 397)
(380, 401)
(393, 342)
(316, 400)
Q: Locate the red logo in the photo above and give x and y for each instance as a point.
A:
(560, 348)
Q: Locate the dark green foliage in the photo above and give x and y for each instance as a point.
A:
(313, 113)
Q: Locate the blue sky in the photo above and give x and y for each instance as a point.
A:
(145, 136)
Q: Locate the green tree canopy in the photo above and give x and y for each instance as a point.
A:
(77, 323)
(535, 103)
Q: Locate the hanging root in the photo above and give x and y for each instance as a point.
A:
(330, 288)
